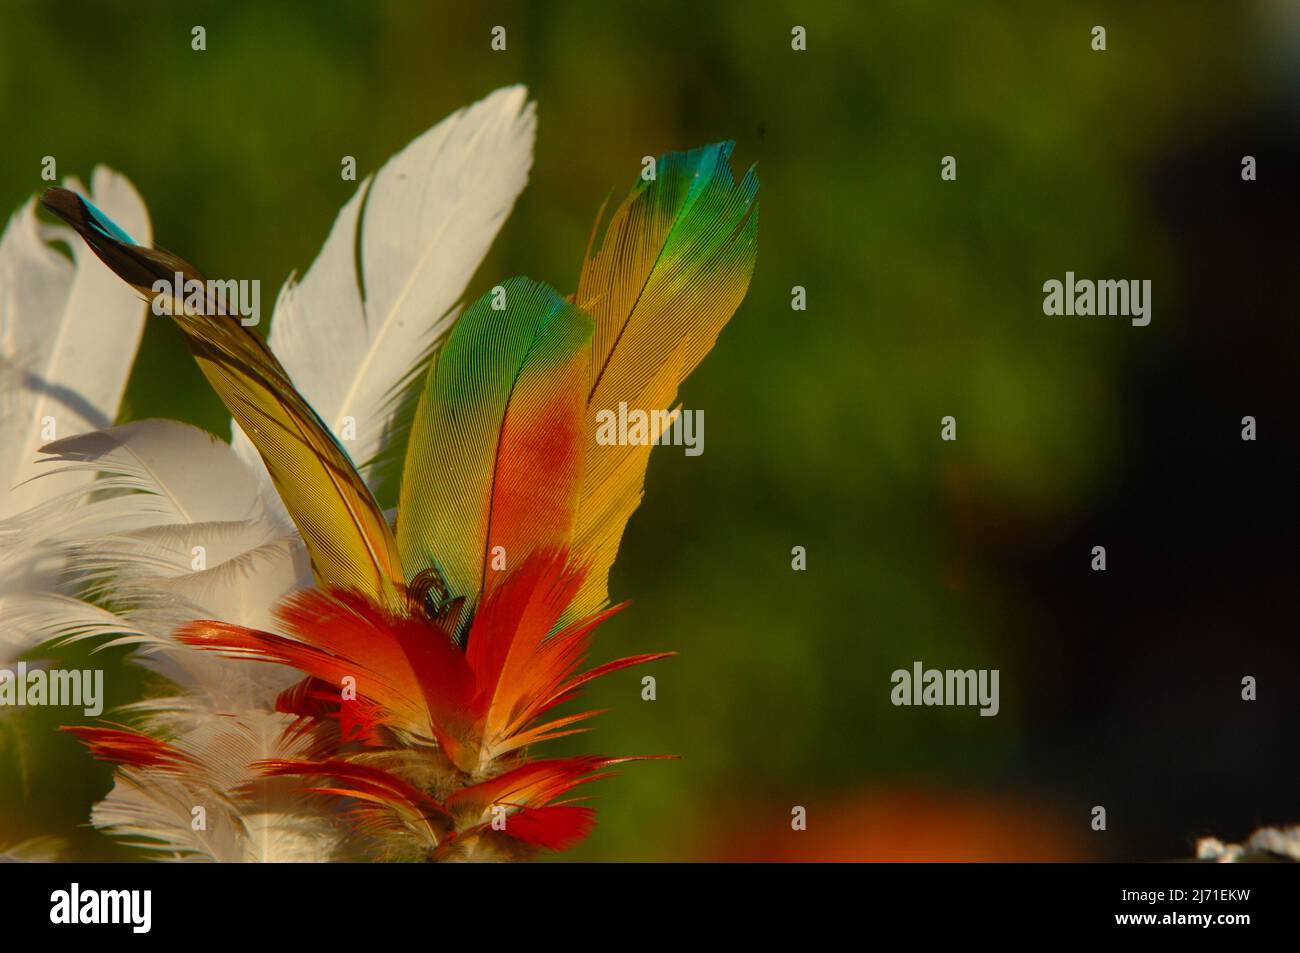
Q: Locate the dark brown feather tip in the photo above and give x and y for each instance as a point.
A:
(66, 205)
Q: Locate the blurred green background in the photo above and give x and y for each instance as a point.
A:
(822, 426)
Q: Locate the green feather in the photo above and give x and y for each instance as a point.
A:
(495, 451)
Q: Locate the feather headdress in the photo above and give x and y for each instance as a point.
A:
(181, 526)
(432, 652)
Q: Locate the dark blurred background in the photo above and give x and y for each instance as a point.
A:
(1119, 689)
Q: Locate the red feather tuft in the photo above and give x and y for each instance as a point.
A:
(477, 703)
(132, 748)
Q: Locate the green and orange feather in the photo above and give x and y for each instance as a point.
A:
(495, 453)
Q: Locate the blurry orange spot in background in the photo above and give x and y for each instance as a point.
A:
(904, 825)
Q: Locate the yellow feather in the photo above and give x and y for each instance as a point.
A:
(674, 265)
(350, 543)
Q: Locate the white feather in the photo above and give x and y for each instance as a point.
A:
(174, 530)
(423, 224)
(69, 330)
(279, 822)
(68, 336)
(156, 472)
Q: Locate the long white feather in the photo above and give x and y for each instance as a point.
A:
(69, 331)
(419, 228)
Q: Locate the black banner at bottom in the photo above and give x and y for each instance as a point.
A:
(139, 902)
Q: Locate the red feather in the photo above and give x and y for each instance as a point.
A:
(408, 674)
(558, 827)
(132, 748)
(479, 704)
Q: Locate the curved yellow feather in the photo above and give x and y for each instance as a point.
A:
(350, 542)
